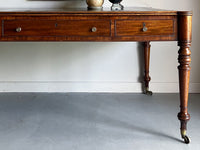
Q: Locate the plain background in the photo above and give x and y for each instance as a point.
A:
(94, 66)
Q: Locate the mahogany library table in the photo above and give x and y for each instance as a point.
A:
(131, 24)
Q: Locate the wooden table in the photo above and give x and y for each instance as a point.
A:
(132, 24)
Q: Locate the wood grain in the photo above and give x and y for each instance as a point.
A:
(125, 25)
(56, 27)
(66, 27)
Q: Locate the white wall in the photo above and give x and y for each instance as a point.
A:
(94, 67)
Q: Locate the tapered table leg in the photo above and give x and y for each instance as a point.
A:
(184, 59)
(184, 75)
(147, 78)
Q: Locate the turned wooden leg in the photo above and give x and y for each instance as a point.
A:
(184, 76)
(147, 78)
(185, 22)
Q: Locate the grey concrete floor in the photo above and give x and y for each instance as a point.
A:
(84, 121)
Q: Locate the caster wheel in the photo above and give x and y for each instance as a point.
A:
(149, 93)
(186, 139)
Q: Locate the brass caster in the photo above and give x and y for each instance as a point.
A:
(186, 139)
(147, 92)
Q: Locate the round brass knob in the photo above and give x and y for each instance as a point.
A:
(19, 29)
(94, 29)
(144, 29)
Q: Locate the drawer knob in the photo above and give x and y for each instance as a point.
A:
(144, 29)
(94, 29)
(19, 29)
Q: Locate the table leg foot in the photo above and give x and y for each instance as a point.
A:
(186, 139)
(147, 91)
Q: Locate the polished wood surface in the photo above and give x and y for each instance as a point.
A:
(184, 41)
(133, 27)
(104, 11)
(41, 27)
(132, 24)
(147, 77)
(76, 25)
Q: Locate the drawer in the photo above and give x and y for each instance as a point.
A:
(56, 28)
(144, 27)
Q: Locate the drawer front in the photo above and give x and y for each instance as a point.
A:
(144, 27)
(56, 28)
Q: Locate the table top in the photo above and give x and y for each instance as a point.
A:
(127, 10)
